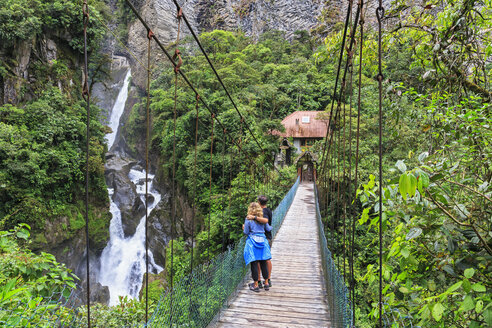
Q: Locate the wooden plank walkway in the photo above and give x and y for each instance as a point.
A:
(297, 297)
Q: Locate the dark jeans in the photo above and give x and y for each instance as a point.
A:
(254, 270)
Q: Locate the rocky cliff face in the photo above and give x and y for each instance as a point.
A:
(253, 17)
(18, 59)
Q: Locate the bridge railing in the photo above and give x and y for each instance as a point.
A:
(338, 295)
(198, 299)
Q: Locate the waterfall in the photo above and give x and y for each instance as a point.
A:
(123, 258)
(117, 111)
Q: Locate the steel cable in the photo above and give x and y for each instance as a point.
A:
(177, 56)
(185, 78)
(356, 173)
(215, 72)
(329, 132)
(86, 96)
(379, 16)
(147, 137)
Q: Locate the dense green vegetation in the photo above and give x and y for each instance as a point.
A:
(42, 135)
(26, 279)
(436, 167)
(43, 163)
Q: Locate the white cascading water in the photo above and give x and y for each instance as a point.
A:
(123, 259)
(117, 111)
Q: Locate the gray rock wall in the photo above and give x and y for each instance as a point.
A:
(253, 17)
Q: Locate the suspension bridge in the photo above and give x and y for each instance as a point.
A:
(298, 297)
(308, 288)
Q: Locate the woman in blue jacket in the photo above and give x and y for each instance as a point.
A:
(256, 248)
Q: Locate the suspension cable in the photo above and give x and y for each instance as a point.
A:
(147, 137)
(379, 16)
(210, 187)
(176, 57)
(86, 96)
(193, 211)
(349, 11)
(215, 72)
(180, 71)
(352, 41)
(356, 173)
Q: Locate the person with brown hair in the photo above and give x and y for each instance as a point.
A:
(256, 249)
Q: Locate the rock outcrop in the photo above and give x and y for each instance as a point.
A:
(125, 194)
(253, 17)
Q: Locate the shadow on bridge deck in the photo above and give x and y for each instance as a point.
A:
(297, 297)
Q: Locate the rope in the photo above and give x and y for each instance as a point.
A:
(352, 41)
(86, 96)
(349, 194)
(210, 186)
(147, 138)
(344, 193)
(349, 10)
(332, 192)
(177, 56)
(193, 211)
(223, 186)
(339, 130)
(229, 190)
(215, 72)
(379, 15)
(210, 203)
(185, 78)
(361, 44)
(241, 132)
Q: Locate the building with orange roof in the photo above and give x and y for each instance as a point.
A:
(304, 127)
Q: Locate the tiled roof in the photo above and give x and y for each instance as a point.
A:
(303, 124)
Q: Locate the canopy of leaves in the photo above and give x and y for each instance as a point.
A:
(437, 211)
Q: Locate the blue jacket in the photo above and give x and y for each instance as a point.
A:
(256, 247)
(253, 227)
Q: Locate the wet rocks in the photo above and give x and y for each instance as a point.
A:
(124, 193)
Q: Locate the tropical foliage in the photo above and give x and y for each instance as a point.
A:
(436, 168)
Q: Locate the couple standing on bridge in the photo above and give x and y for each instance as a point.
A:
(257, 227)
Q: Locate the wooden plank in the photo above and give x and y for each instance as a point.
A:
(242, 322)
(273, 308)
(294, 292)
(270, 293)
(260, 319)
(314, 284)
(281, 301)
(282, 312)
